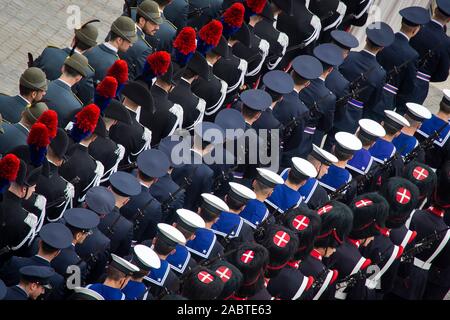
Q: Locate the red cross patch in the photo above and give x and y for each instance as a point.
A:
(205, 277)
(325, 209)
(281, 239)
(403, 195)
(248, 256)
(363, 203)
(420, 173)
(300, 222)
(224, 273)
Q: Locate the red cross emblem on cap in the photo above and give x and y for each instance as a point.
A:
(205, 277)
(420, 173)
(300, 222)
(363, 203)
(248, 256)
(281, 239)
(325, 209)
(403, 195)
(224, 273)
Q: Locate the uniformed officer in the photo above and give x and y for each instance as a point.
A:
(18, 225)
(134, 137)
(314, 195)
(34, 280)
(205, 244)
(145, 259)
(148, 19)
(118, 274)
(202, 284)
(59, 95)
(278, 84)
(331, 15)
(80, 222)
(143, 210)
(32, 88)
(164, 281)
(123, 34)
(255, 212)
(415, 114)
(286, 196)
(230, 225)
(198, 174)
(251, 259)
(58, 192)
(203, 11)
(116, 227)
(193, 106)
(80, 163)
(370, 211)
(53, 237)
(346, 113)
(432, 45)
(383, 149)
(364, 62)
(187, 222)
(254, 102)
(16, 134)
(344, 149)
(177, 12)
(231, 277)
(95, 250)
(292, 112)
(319, 99)
(336, 224)
(162, 39)
(369, 132)
(437, 154)
(403, 80)
(356, 14)
(424, 178)
(213, 90)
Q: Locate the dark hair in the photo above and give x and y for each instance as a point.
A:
(145, 177)
(162, 247)
(248, 112)
(186, 233)
(234, 204)
(48, 249)
(298, 80)
(138, 17)
(189, 74)
(261, 187)
(275, 95)
(207, 215)
(163, 2)
(443, 107)
(390, 130)
(366, 142)
(114, 274)
(81, 45)
(341, 156)
(71, 71)
(294, 178)
(24, 91)
(74, 230)
(372, 46)
(113, 36)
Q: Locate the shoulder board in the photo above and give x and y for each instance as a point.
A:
(170, 23)
(90, 67)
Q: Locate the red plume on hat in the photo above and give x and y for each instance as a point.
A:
(38, 142)
(156, 65)
(50, 119)
(255, 6)
(209, 36)
(119, 71)
(9, 167)
(105, 91)
(232, 19)
(85, 122)
(185, 45)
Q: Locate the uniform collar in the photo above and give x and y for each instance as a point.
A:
(371, 53)
(28, 102)
(316, 254)
(384, 231)
(438, 23)
(294, 264)
(67, 84)
(20, 124)
(22, 289)
(436, 211)
(42, 258)
(356, 243)
(401, 33)
(111, 47)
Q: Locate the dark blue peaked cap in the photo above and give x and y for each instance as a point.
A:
(100, 200)
(40, 274)
(415, 16)
(56, 235)
(329, 54)
(380, 34)
(278, 81)
(444, 6)
(153, 163)
(125, 184)
(307, 67)
(230, 119)
(81, 218)
(344, 39)
(256, 99)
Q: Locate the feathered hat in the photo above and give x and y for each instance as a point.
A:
(253, 7)
(105, 91)
(232, 19)
(185, 45)
(156, 65)
(50, 119)
(209, 36)
(38, 141)
(9, 167)
(85, 122)
(119, 71)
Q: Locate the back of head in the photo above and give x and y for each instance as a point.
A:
(202, 284)
(422, 176)
(337, 220)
